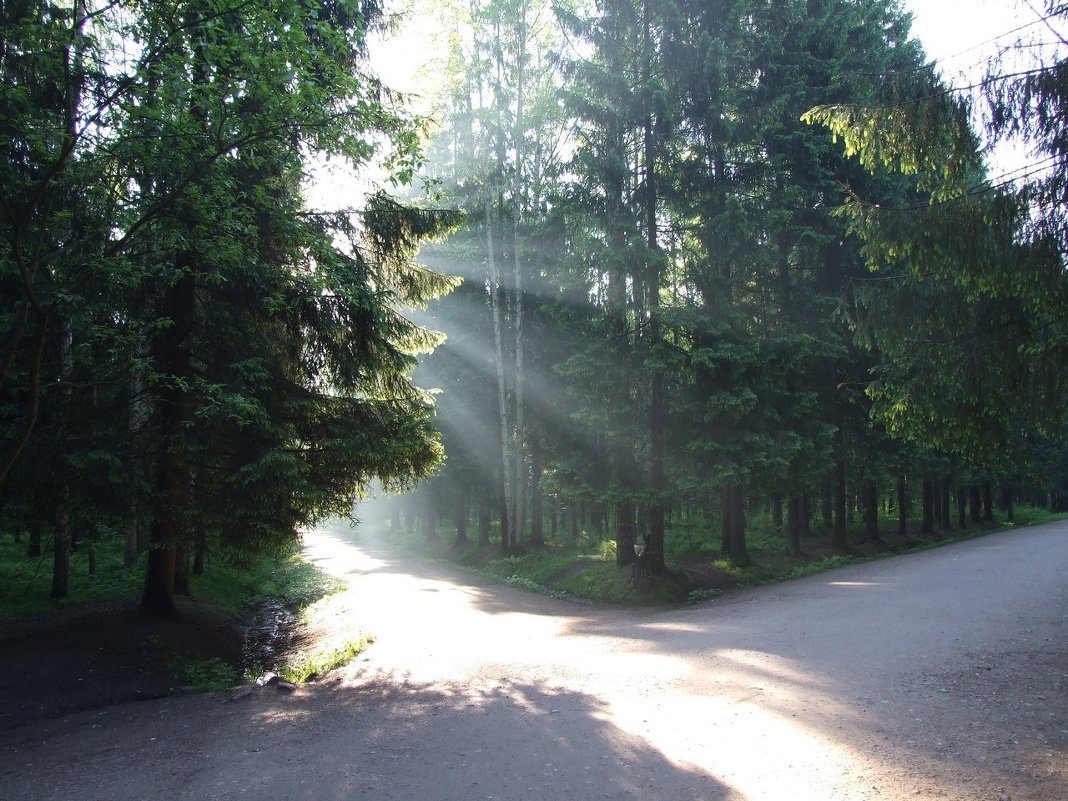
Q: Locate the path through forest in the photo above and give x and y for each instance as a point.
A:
(935, 675)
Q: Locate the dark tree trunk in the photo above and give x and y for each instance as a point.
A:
(975, 511)
(827, 507)
(962, 508)
(739, 550)
(61, 544)
(902, 507)
(430, 517)
(505, 536)
(133, 526)
(626, 533)
(537, 521)
(460, 515)
(182, 567)
(776, 511)
(170, 519)
(484, 517)
(945, 517)
(927, 526)
(794, 510)
(200, 551)
(33, 547)
(870, 502)
(410, 515)
(725, 532)
(838, 537)
(1005, 497)
(988, 503)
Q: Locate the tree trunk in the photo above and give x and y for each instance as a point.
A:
(33, 547)
(133, 527)
(945, 517)
(975, 511)
(776, 511)
(657, 404)
(902, 507)
(502, 399)
(200, 551)
(927, 527)
(505, 521)
(1005, 494)
(182, 569)
(988, 503)
(169, 524)
(626, 532)
(518, 140)
(460, 514)
(793, 524)
(827, 507)
(962, 508)
(739, 549)
(838, 537)
(138, 417)
(870, 501)
(61, 542)
(725, 532)
(484, 517)
(537, 522)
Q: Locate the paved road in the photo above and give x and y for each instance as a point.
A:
(942, 675)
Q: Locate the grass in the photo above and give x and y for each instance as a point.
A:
(26, 582)
(584, 568)
(236, 587)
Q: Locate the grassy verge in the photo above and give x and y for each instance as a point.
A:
(233, 587)
(584, 568)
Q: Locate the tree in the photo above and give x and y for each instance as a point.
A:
(992, 250)
(162, 193)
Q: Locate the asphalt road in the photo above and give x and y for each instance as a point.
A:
(941, 675)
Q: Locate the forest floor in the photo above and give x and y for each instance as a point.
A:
(78, 658)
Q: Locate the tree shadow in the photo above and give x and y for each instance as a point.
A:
(339, 741)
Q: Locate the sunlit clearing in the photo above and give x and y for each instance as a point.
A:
(737, 719)
(413, 633)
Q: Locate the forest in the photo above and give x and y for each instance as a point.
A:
(729, 259)
(642, 264)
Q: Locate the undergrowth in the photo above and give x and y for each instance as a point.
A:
(235, 585)
(583, 567)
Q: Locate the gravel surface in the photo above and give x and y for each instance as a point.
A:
(939, 675)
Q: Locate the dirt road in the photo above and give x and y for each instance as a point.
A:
(941, 675)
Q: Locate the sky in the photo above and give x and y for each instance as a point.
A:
(962, 34)
(951, 30)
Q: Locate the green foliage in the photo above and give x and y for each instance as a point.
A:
(204, 675)
(322, 660)
(25, 582)
(968, 306)
(703, 594)
(170, 305)
(238, 583)
(1026, 515)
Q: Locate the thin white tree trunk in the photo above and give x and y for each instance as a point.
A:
(498, 342)
(519, 518)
